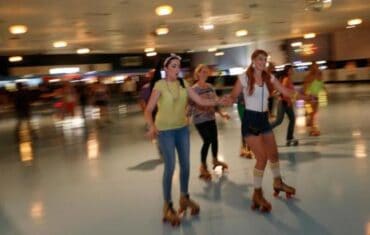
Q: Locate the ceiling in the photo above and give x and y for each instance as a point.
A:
(126, 26)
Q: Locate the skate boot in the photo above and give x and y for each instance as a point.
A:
(259, 202)
(279, 185)
(170, 215)
(246, 153)
(217, 163)
(204, 173)
(292, 142)
(185, 203)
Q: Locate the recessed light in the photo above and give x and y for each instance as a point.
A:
(149, 49)
(15, 59)
(354, 22)
(163, 30)
(213, 49)
(18, 29)
(164, 10)
(207, 26)
(83, 51)
(153, 53)
(309, 35)
(241, 33)
(60, 44)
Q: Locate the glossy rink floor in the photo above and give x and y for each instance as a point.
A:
(81, 178)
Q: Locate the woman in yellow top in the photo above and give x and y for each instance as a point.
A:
(170, 95)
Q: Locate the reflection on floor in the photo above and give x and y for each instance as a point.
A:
(89, 177)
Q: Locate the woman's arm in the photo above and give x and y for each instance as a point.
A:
(199, 100)
(286, 91)
(153, 100)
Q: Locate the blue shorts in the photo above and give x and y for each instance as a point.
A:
(255, 123)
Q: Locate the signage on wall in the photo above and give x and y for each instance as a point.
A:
(306, 49)
(131, 61)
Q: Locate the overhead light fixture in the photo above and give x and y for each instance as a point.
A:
(220, 53)
(18, 29)
(60, 44)
(296, 44)
(13, 59)
(164, 10)
(153, 53)
(241, 33)
(350, 26)
(353, 22)
(207, 26)
(83, 51)
(213, 49)
(149, 49)
(309, 35)
(163, 30)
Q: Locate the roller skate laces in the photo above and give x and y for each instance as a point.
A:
(185, 203)
(204, 173)
(279, 186)
(170, 215)
(259, 202)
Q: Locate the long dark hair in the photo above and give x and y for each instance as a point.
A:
(266, 77)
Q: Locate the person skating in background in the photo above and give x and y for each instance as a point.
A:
(286, 106)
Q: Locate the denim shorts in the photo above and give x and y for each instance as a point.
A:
(255, 123)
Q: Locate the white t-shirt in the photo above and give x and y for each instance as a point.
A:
(258, 101)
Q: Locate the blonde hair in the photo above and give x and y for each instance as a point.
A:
(197, 70)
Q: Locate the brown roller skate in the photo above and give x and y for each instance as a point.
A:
(204, 173)
(170, 215)
(185, 203)
(217, 163)
(259, 202)
(279, 185)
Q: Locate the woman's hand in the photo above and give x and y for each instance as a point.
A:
(152, 132)
(226, 100)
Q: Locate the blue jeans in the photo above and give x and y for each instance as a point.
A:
(169, 140)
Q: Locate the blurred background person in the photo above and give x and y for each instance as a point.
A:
(313, 84)
(286, 106)
(100, 95)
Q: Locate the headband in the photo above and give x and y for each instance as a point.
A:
(172, 56)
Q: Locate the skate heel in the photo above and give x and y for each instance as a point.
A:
(204, 173)
(259, 202)
(185, 203)
(170, 215)
(279, 185)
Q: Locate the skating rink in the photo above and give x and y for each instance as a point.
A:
(76, 178)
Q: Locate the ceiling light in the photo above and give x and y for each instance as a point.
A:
(153, 53)
(149, 49)
(163, 10)
(163, 30)
(350, 26)
(60, 44)
(220, 53)
(241, 33)
(15, 59)
(18, 29)
(309, 35)
(207, 26)
(83, 51)
(354, 22)
(213, 49)
(296, 44)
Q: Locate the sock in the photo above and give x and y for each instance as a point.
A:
(257, 178)
(275, 168)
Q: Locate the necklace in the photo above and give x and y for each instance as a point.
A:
(174, 96)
